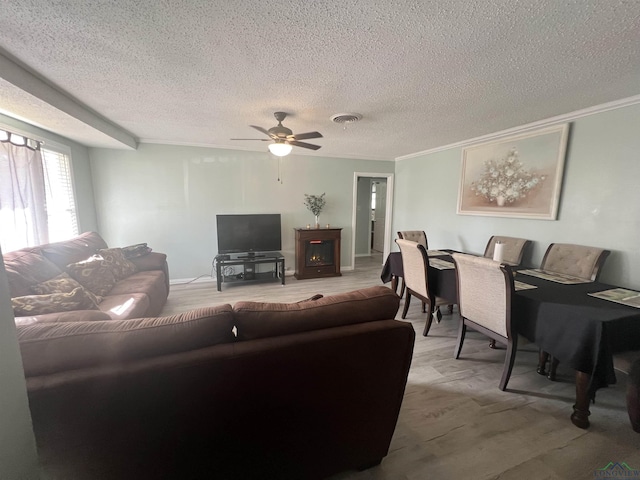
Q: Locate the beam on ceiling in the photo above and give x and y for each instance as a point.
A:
(19, 76)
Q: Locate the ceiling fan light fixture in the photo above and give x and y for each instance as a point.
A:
(280, 149)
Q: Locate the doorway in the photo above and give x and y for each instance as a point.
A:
(371, 224)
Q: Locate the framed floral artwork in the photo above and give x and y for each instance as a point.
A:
(515, 176)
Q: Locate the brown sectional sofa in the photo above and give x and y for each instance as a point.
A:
(142, 291)
(303, 391)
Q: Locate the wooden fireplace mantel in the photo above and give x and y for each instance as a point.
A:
(310, 241)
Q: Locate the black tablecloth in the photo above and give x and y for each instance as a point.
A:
(576, 328)
(579, 330)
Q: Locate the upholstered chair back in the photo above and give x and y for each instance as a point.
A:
(415, 236)
(484, 292)
(576, 260)
(414, 264)
(513, 249)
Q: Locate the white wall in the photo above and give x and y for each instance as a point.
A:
(168, 196)
(599, 204)
(18, 460)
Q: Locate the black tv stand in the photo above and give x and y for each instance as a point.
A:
(249, 262)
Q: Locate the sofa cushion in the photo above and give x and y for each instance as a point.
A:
(125, 305)
(26, 268)
(78, 299)
(152, 282)
(55, 347)
(94, 273)
(120, 266)
(56, 317)
(73, 250)
(63, 283)
(261, 319)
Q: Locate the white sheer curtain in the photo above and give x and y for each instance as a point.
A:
(23, 214)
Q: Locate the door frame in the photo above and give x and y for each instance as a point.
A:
(387, 218)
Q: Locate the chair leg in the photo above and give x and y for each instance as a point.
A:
(512, 347)
(402, 287)
(462, 330)
(407, 301)
(427, 325)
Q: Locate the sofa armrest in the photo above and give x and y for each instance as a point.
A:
(153, 261)
(150, 261)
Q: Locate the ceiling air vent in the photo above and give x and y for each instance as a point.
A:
(344, 118)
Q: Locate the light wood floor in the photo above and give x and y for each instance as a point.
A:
(455, 423)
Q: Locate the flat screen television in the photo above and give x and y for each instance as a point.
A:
(249, 233)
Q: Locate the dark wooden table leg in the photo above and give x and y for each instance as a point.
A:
(553, 367)
(580, 415)
(543, 358)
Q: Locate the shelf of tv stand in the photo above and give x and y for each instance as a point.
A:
(249, 263)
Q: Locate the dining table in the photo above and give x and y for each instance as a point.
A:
(562, 318)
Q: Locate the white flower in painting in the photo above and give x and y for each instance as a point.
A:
(506, 177)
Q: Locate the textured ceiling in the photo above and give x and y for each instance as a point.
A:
(422, 73)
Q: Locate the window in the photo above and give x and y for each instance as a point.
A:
(61, 205)
(37, 203)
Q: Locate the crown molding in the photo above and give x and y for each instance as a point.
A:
(567, 117)
(265, 151)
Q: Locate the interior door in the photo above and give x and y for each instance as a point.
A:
(380, 215)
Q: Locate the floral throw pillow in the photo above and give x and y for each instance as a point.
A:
(94, 274)
(77, 299)
(63, 283)
(120, 266)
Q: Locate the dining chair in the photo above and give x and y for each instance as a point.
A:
(576, 260)
(629, 363)
(579, 261)
(485, 288)
(513, 248)
(415, 236)
(415, 263)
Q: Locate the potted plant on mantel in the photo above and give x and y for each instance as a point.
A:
(315, 204)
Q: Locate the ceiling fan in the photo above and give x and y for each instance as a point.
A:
(284, 138)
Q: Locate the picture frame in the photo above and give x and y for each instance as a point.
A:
(517, 176)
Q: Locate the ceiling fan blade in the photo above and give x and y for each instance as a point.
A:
(257, 139)
(260, 129)
(305, 136)
(303, 145)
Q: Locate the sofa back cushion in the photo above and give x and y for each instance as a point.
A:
(56, 347)
(261, 319)
(26, 268)
(73, 250)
